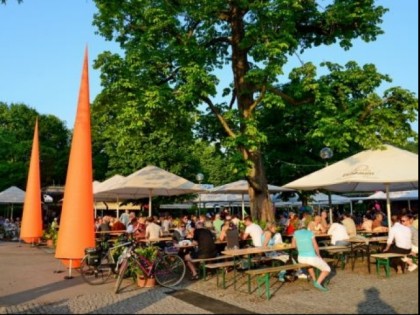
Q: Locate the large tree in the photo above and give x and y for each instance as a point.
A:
(173, 48)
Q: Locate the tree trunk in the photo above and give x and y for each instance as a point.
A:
(259, 196)
(261, 206)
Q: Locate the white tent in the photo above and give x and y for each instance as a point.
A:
(316, 199)
(241, 187)
(391, 169)
(394, 196)
(12, 195)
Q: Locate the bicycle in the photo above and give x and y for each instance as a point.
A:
(168, 269)
(99, 264)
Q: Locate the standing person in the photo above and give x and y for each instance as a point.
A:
(206, 248)
(254, 230)
(125, 217)
(399, 242)
(308, 253)
(217, 224)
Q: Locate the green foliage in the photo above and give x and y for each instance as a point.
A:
(148, 252)
(17, 123)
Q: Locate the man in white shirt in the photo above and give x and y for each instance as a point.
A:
(339, 235)
(253, 230)
(348, 222)
(399, 242)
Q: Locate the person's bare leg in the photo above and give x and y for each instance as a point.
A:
(312, 273)
(322, 276)
(190, 265)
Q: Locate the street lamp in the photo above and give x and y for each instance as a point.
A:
(199, 177)
(326, 154)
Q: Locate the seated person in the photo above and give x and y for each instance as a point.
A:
(316, 226)
(206, 248)
(367, 223)
(339, 235)
(271, 237)
(230, 234)
(377, 225)
(254, 230)
(308, 253)
(153, 230)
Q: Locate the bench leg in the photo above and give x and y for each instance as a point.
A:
(264, 281)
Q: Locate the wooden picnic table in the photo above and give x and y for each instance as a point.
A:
(249, 251)
(360, 243)
(156, 240)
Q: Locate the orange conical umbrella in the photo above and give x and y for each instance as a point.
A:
(77, 222)
(31, 229)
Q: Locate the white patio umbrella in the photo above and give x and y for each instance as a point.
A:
(392, 169)
(395, 195)
(241, 187)
(152, 181)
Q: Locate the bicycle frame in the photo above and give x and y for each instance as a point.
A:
(168, 270)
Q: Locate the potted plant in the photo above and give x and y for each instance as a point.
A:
(50, 235)
(150, 253)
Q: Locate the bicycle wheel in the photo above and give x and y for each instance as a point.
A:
(121, 273)
(169, 270)
(95, 274)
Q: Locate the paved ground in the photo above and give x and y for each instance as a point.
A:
(30, 284)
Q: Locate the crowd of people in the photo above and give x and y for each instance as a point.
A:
(201, 234)
(9, 228)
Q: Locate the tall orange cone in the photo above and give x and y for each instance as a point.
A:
(31, 229)
(76, 230)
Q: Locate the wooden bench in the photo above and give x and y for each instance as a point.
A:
(221, 269)
(338, 252)
(263, 274)
(383, 260)
(203, 262)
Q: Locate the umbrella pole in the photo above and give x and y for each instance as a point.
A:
(118, 208)
(243, 207)
(150, 203)
(69, 276)
(388, 205)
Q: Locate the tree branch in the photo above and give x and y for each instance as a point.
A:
(289, 99)
(221, 119)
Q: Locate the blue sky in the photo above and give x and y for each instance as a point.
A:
(42, 46)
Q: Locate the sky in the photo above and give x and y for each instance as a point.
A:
(42, 45)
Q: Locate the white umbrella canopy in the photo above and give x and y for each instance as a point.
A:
(241, 187)
(395, 195)
(11, 196)
(100, 191)
(392, 169)
(153, 181)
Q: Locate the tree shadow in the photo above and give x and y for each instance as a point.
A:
(373, 304)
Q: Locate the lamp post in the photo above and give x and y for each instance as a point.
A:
(325, 154)
(199, 177)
